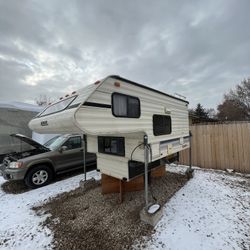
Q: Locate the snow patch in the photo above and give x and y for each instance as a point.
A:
(153, 208)
(20, 227)
(210, 212)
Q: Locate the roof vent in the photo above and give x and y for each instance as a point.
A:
(180, 96)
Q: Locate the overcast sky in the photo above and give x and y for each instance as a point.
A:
(199, 49)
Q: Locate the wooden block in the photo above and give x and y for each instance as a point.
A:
(110, 184)
(136, 184)
(114, 185)
(158, 171)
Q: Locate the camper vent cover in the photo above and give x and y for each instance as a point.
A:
(167, 111)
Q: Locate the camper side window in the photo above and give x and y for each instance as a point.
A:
(111, 145)
(125, 106)
(162, 125)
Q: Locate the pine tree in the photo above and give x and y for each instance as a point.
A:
(200, 111)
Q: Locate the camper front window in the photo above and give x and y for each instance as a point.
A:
(125, 106)
(59, 106)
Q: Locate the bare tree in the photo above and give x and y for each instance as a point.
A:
(229, 110)
(236, 104)
(211, 112)
(43, 100)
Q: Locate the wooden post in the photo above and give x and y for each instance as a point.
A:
(121, 191)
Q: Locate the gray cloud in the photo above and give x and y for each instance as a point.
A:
(196, 48)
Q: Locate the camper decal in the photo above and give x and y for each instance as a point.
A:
(44, 123)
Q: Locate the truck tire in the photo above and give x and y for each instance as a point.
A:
(39, 176)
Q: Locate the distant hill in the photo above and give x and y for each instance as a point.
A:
(21, 106)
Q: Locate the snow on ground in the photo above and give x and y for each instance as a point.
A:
(19, 225)
(212, 211)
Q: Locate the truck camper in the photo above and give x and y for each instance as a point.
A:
(117, 116)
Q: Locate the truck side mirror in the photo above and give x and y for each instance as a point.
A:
(63, 148)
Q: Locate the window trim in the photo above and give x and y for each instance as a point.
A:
(119, 116)
(112, 137)
(170, 124)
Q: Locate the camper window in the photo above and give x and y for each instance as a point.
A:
(59, 106)
(162, 125)
(111, 145)
(125, 106)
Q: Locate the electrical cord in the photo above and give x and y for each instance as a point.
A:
(134, 150)
(150, 149)
(152, 194)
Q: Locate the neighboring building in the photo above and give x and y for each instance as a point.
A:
(193, 119)
(14, 118)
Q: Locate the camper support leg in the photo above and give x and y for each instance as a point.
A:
(84, 157)
(146, 169)
(190, 152)
(190, 170)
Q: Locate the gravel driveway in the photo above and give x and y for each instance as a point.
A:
(90, 220)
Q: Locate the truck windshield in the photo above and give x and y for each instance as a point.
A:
(56, 143)
(50, 141)
(59, 106)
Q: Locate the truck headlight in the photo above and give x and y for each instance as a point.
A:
(15, 164)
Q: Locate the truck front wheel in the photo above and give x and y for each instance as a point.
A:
(39, 176)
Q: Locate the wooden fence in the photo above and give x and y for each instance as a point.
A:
(220, 146)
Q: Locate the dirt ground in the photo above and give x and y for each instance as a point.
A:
(89, 220)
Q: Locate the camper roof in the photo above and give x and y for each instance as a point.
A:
(146, 87)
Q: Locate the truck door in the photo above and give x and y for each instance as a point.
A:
(72, 155)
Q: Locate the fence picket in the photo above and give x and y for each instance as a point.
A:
(220, 146)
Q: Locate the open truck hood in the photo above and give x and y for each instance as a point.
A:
(29, 141)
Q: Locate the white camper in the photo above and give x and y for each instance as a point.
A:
(116, 114)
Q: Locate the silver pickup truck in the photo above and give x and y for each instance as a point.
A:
(39, 164)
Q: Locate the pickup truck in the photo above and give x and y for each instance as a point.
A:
(39, 164)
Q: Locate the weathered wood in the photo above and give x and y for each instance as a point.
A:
(220, 146)
(121, 191)
(114, 185)
(159, 171)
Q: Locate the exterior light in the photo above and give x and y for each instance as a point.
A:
(117, 84)
(97, 82)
